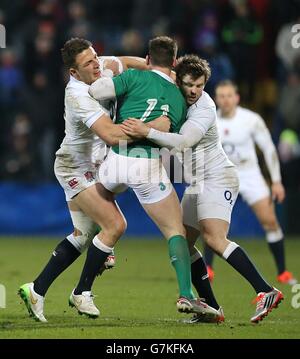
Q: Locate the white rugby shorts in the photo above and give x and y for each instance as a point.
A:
(253, 187)
(74, 179)
(147, 177)
(213, 198)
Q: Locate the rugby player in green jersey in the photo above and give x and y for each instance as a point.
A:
(148, 95)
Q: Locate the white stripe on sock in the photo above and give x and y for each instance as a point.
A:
(229, 249)
(74, 243)
(100, 245)
(195, 256)
(274, 236)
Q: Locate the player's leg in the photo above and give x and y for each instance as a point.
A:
(214, 232)
(265, 213)
(67, 250)
(198, 268)
(99, 205)
(65, 253)
(209, 258)
(214, 208)
(200, 278)
(167, 215)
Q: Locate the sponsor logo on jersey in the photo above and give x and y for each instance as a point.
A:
(73, 183)
(89, 176)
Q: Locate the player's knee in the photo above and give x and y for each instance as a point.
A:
(208, 238)
(270, 224)
(84, 230)
(118, 228)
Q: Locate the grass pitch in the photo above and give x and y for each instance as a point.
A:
(137, 298)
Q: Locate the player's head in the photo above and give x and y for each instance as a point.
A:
(192, 73)
(81, 60)
(227, 96)
(162, 52)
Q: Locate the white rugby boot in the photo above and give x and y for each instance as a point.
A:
(84, 304)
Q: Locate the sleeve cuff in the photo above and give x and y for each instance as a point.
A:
(94, 118)
(151, 134)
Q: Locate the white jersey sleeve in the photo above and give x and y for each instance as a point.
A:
(199, 121)
(103, 89)
(202, 118)
(262, 138)
(188, 136)
(88, 110)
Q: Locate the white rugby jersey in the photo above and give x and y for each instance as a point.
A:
(80, 144)
(239, 135)
(199, 140)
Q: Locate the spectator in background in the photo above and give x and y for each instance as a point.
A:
(40, 101)
(206, 44)
(132, 42)
(19, 163)
(242, 35)
(220, 63)
(11, 78)
(289, 100)
(78, 24)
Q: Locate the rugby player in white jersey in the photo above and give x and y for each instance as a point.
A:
(88, 130)
(207, 203)
(240, 130)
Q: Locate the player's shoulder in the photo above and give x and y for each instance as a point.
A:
(248, 114)
(204, 103)
(78, 97)
(76, 88)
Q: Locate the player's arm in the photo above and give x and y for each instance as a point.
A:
(161, 123)
(133, 62)
(95, 117)
(111, 88)
(103, 89)
(262, 138)
(190, 133)
(109, 132)
(188, 137)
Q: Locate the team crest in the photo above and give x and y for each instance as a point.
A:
(73, 183)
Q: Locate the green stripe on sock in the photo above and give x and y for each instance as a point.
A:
(180, 259)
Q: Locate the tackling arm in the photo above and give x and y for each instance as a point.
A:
(188, 137)
(132, 62)
(161, 123)
(103, 89)
(109, 132)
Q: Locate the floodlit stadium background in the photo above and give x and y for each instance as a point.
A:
(250, 42)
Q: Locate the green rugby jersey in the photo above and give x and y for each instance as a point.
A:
(147, 95)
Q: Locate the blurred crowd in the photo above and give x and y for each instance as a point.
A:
(247, 41)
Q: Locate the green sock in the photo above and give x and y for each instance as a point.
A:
(180, 259)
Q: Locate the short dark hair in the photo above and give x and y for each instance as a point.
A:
(227, 83)
(194, 66)
(71, 49)
(162, 51)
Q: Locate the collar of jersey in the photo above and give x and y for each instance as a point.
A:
(166, 77)
(81, 83)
